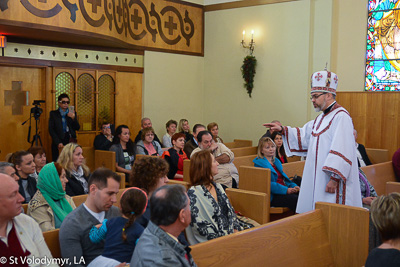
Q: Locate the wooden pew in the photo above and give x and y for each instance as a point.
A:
(244, 151)
(88, 153)
(377, 155)
(317, 238)
(392, 187)
(379, 174)
(294, 168)
(244, 161)
(52, 241)
(25, 207)
(239, 143)
(104, 159)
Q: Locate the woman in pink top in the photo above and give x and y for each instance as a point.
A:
(147, 146)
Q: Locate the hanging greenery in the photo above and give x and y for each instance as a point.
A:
(248, 72)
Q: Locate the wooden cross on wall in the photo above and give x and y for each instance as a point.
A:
(16, 98)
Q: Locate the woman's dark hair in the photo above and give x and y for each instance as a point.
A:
(171, 122)
(16, 157)
(133, 203)
(130, 146)
(147, 171)
(60, 97)
(200, 168)
(36, 150)
(58, 168)
(281, 149)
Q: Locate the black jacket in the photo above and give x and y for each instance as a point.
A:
(364, 155)
(74, 186)
(31, 187)
(102, 143)
(56, 128)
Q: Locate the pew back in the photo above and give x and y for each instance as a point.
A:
(239, 143)
(244, 161)
(104, 159)
(294, 168)
(244, 151)
(379, 174)
(377, 155)
(392, 187)
(88, 153)
(317, 238)
(51, 239)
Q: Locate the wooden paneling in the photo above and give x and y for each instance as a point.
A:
(156, 25)
(375, 116)
(14, 135)
(128, 101)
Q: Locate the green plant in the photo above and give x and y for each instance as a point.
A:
(248, 72)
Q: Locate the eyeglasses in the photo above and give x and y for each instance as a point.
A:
(64, 102)
(316, 96)
(149, 134)
(106, 127)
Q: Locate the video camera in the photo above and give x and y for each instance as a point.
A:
(36, 111)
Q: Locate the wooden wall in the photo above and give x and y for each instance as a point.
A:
(39, 82)
(376, 117)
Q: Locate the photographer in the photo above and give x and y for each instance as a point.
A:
(63, 124)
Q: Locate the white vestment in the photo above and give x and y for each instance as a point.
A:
(329, 145)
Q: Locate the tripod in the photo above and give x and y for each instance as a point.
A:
(36, 138)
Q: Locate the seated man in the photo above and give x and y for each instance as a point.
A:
(169, 216)
(20, 236)
(146, 123)
(192, 143)
(227, 173)
(103, 141)
(8, 168)
(362, 156)
(74, 231)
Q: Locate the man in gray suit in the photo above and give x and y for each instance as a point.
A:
(74, 231)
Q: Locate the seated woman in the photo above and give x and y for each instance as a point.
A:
(213, 128)
(280, 150)
(212, 213)
(72, 161)
(385, 214)
(124, 149)
(120, 233)
(284, 193)
(25, 167)
(171, 129)
(368, 192)
(50, 205)
(39, 157)
(184, 128)
(148, 146)
(175, 157)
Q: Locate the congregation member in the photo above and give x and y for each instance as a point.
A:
(396, 164)
(39, 157)
(214, 130)
(330, 172)
(124, 149)
(362, 157)
(227, 174)
(103, 141)
(284, 193)
(148, 145)
(25, 167)
(280, 150)
(120, 233)
(192, 144)
(385, 214)
(171, 129)
(175, 157)
(212, 213)
(20, 235)
(63, 124)
(146, 123)
(50, 205)
(184, 128)
(75, 243)
(159, 245)
(368, 192)
(72, 161)
(8, 168)
(149, 174)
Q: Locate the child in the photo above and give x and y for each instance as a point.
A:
(120, 233)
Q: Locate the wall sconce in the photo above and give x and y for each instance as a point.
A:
(251, 45)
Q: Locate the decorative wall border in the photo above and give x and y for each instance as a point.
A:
(239, 4)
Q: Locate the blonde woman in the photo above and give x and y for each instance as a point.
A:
(184, 128)
(72, 160)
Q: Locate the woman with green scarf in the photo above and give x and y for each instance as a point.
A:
(50, 205)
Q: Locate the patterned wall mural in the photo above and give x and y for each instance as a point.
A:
(155, 24)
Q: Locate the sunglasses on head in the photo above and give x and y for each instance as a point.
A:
(64, 102)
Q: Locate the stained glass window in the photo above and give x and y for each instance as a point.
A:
(382, 68)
